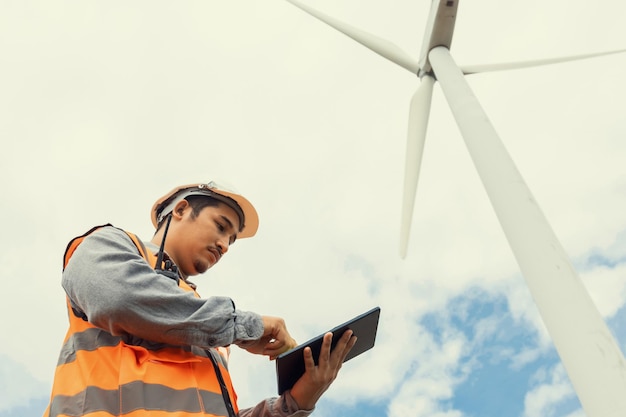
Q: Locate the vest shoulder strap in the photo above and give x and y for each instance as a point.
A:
(73, 244)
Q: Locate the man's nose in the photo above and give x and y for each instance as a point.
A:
(222, 246)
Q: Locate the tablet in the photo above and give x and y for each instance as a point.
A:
(290, 365)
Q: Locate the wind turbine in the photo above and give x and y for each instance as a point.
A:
(588, 350)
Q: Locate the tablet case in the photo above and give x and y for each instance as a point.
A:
(290, 365)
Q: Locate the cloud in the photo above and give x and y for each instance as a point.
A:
(19, 386)
(553, 389)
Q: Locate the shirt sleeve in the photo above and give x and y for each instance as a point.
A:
(113, 285)
(283, 406)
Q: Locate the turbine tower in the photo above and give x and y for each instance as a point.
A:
(588, 350)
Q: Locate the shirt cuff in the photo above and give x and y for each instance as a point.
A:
(248, 327)
(292, 406)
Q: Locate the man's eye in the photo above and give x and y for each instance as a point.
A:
(220, 227)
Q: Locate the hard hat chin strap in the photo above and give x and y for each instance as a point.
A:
(159, 261)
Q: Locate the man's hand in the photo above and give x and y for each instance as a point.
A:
(317, 379)
(275, 340)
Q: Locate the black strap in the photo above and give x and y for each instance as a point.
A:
(78, 237)
(225, 394)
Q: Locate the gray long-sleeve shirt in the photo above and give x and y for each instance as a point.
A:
(110, 282)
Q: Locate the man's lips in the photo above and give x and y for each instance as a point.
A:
(216, 254)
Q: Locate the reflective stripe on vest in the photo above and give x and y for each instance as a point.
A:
(138, 396)
(99, 374)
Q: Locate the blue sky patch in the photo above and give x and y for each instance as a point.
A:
(495, 385)
(361, 409)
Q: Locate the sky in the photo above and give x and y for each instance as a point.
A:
(107, 105)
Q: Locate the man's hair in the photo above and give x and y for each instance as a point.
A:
(197, 204)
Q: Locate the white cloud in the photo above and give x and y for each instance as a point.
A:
(542, 400)
(525, 357)
(18, 385)
(607, 287)
(577, 413)
(430, 378)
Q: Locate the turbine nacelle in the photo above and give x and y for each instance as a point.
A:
(439, 30)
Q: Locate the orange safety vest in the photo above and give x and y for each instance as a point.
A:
(99, 375)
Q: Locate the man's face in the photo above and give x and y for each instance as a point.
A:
(196, 244)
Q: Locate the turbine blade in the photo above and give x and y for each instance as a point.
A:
(418, 122)
(474, 69)
(381, 46)
(589, 353)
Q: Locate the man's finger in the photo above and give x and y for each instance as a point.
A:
(349, 346)
(344, 346)
(309, 363)
(325, 352)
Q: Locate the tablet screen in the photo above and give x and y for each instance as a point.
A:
(290, 365)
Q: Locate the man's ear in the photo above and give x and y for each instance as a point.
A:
(179, 209)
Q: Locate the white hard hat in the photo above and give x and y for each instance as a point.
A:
(248, 217)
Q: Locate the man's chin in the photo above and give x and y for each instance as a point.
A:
(202, 267)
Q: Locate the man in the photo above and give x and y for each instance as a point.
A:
(142, 342)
